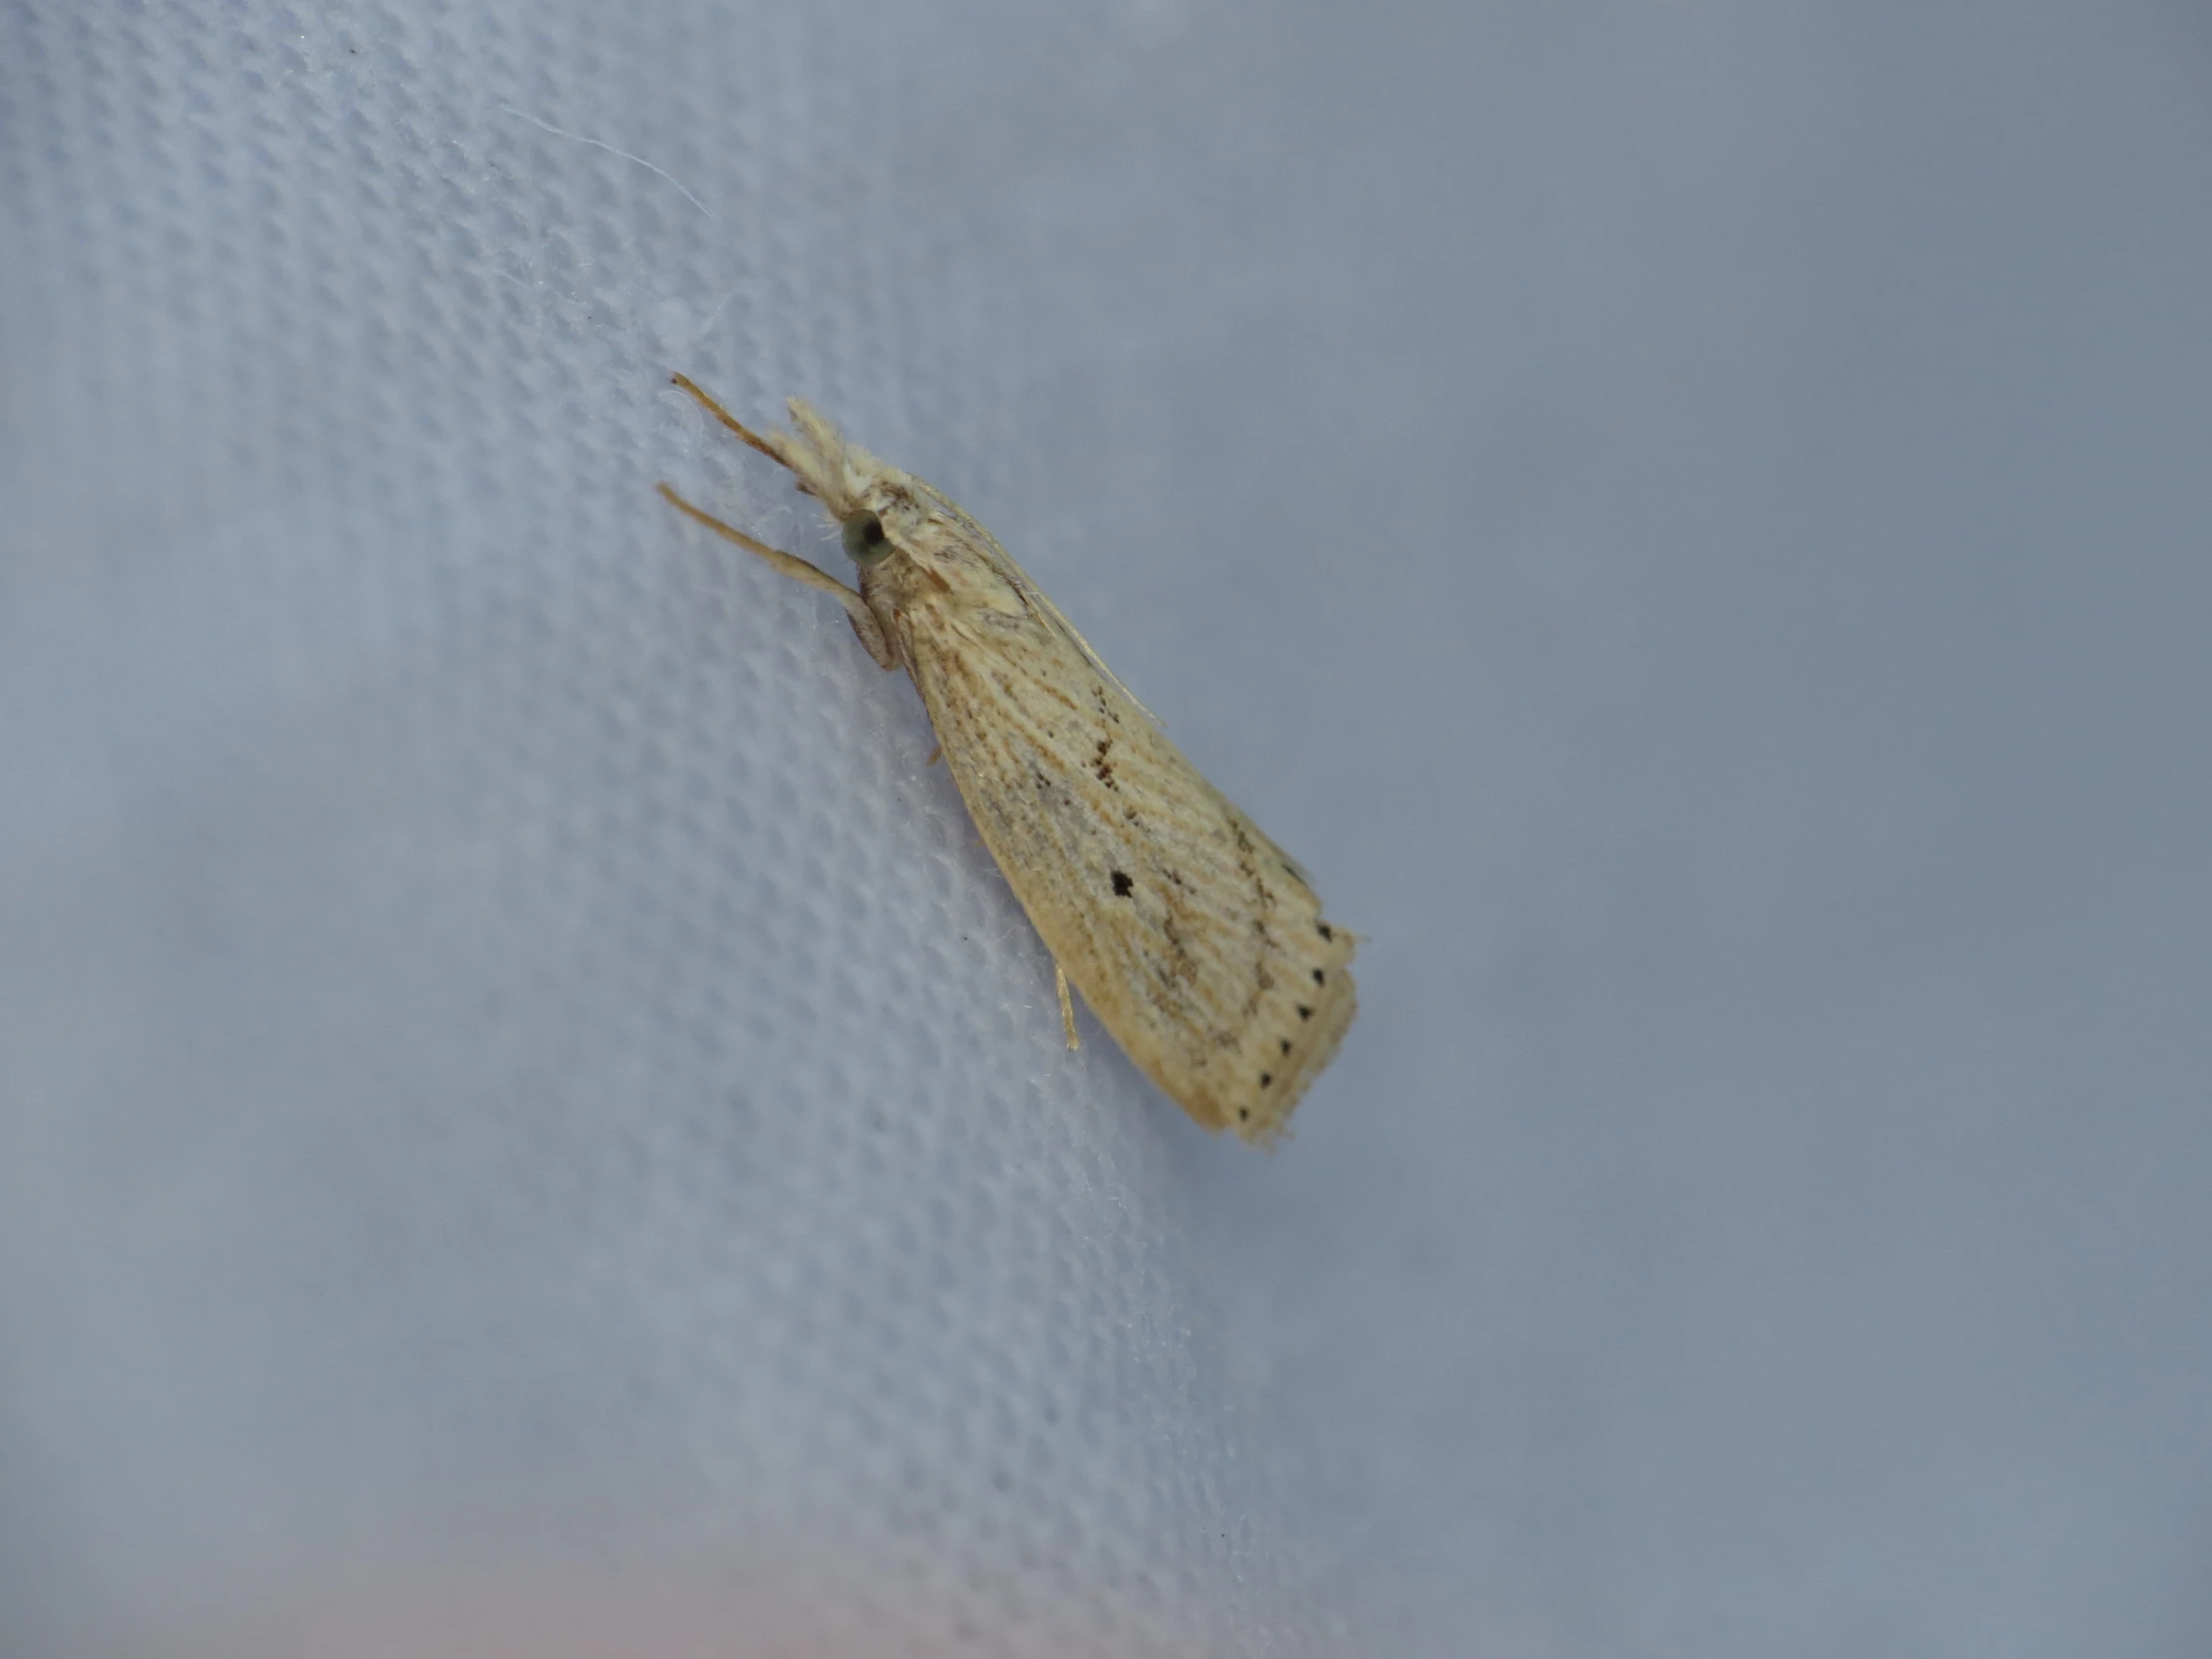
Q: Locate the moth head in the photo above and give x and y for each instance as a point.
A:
(884, 516)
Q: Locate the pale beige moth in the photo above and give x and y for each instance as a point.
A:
(1195, 941)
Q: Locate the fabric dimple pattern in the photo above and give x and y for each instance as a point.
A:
(541, 1070)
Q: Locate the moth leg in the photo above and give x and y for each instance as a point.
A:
(869, 633)
(799, 570)
(935, 755)
(1067, 1007)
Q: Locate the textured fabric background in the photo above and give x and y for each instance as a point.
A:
(529, 1124)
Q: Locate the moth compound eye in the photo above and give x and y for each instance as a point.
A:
(864, 543)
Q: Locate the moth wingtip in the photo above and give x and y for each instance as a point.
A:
(1266, 1128)
(1268, 1136)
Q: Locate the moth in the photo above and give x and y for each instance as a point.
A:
(1195, 941)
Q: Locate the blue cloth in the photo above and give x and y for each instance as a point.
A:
(519, 1088)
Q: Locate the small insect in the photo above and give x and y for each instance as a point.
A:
(1195, 941)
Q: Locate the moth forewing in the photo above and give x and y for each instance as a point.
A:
(1195, 939)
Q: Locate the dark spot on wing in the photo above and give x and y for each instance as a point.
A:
(1319, 978)
(1122, 884)
(1266, 1077)
(1327, 931)
(1305, 1012)
(1101, 767)
(1286, 1045)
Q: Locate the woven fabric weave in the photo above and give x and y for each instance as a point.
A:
(529, 1121)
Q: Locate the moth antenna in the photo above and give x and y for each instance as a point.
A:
(744, 433)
